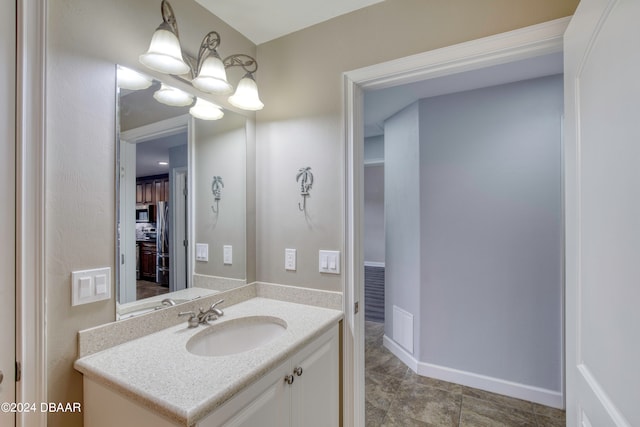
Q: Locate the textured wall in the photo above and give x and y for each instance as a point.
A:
(85, 39)
(300, 84)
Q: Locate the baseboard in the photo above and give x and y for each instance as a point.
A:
(402, 354)
(495, 385)
(373, 264)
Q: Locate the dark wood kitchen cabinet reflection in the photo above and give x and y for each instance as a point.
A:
(148, 254)
(152, 189)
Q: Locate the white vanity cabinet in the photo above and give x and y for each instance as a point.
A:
(301, 392)
(311, 398)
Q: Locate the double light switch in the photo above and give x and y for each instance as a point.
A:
(329, 262)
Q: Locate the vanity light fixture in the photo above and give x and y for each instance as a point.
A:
(205, 110)
(171, 96)
(132, 80)
(163, 163)
(208, 72)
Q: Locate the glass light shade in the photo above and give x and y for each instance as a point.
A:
(246, 96)
(164, 54)
(212, 77)
(171, 96)
(206, 110)
(132, 80)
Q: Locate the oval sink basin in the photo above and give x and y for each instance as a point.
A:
(236, 336)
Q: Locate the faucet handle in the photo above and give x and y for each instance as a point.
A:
(192, 320)
(215, 310)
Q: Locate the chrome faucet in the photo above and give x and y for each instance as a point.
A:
(203, 317)
(168, 301)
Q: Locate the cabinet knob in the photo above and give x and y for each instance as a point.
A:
(1, 377)
(289, 379)
(298, 371)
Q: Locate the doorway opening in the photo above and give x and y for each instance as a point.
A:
(450, 66)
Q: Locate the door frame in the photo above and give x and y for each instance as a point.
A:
(165, 128)
(528, 42)
(30, 207)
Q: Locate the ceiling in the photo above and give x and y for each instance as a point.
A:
(287, 16)
(381, 104)
(149, 153)
(270, 19)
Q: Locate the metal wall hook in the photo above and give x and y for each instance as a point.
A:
(303, 207)
(216, 189)
(305, 177)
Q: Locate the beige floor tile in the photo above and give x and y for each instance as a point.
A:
(412, 378)
(430, 405)
(373, 416)
(482, 413)
(396, 420)
(381, 389)
(499, 399)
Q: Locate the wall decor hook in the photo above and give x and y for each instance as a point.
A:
(305, 177)
(216, 188)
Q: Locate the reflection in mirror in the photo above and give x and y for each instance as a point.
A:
(181, 185)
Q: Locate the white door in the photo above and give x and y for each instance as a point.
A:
(179, 226)
(127, 224)
(7, 211)
(602, 139)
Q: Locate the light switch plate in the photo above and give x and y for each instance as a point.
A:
(290, 259)
(227, 254)
(329, 262)
(202, 252)
(90, 286)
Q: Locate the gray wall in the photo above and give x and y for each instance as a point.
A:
(490, 229)
(374, 213)
(402, 217)
(374, 199)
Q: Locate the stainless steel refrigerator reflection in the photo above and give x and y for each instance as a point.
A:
(162, 243)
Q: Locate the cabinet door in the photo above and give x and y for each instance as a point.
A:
(148, 261)
(264, 404)
(139, 193)
(165, 186)
(315, 391)
(149, 196)
(158, 188)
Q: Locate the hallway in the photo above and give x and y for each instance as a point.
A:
(397, 397)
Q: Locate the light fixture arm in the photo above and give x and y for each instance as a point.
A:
(208, 47)
(248, 63)
(206, 72)
(169, 17)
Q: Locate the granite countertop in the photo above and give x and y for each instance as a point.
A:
(158, 372)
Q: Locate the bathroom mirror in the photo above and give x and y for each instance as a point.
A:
(181, 204)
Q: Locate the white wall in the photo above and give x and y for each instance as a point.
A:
(490, 226)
